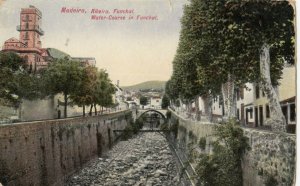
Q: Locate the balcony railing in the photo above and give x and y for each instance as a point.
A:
(30, 28)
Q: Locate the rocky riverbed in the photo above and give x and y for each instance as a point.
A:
(143, 160)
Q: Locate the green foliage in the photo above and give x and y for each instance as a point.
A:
(202, 143)
(104, 89)
(63, 76)
(165, 126)
(143, 100)
(16, 83)
(84, 94)
(165, 102)
(174, 128)
(223, 166)
(131, 129)
(83, 85)
(169, 114)
(222, 38)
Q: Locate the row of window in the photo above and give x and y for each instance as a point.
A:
(289, 111)
(27, 18)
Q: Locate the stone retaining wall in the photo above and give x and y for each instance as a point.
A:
(46, 152)
(272, 154)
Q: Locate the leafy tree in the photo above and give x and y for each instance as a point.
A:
(143, 100)
(222, 41)
(104, 90)
(16, 83)
(63, 76)
(165, 102)
(84, 94)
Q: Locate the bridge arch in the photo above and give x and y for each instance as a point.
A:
(143, 112)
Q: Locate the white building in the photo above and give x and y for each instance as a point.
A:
(155, 102)
(252, 103)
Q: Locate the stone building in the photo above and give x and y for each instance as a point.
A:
(29, 44)
(29, 47)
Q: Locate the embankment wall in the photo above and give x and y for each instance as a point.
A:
(46, 152)
(272, 155)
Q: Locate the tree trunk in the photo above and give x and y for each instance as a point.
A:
(228, 92)
(95, 109)
(91, 109)
(197, 108)
(20, 115)
(277, 120)
(207, 99)
(83, 110)
(66, 105)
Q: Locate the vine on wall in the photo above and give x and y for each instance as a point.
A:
(223, 166)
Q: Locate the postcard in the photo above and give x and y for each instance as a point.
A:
(153, 92)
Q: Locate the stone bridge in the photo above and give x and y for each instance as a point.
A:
(162, 112)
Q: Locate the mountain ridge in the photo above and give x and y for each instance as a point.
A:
(155, 84)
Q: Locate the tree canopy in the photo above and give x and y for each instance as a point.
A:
(63, 76)
(16, 83)
(221, 41)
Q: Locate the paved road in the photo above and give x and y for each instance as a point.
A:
(141, 161)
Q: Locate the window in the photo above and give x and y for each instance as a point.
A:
(267, 111)
(238, 113)
(26, 35)
(27, 25)
(27, 17)
(242, 93)
(292, 112)
(257, 92)
(251, 113)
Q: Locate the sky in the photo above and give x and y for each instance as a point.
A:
(132, 51)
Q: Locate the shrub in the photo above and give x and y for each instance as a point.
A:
(202, 143)
(223, 166)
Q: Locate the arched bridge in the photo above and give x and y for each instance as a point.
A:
(162, 112)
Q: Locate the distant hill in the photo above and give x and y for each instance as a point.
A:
(147, 85)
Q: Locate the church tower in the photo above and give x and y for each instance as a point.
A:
(30, 27)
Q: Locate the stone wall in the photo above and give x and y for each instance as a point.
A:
(272, 154)
(46, 152)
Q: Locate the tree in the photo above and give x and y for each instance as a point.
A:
(84, 94)
(272, 24)
(143, 100)
(103, 90)
(222, 40)
(165, 102)
(16, 83)
(63, 76)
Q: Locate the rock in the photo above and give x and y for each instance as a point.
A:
(160, 172)
(143, 160)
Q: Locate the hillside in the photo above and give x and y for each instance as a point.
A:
(146, 85)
